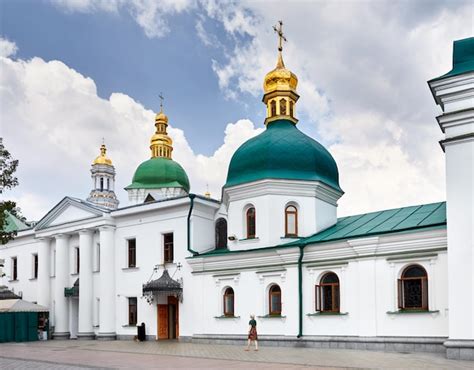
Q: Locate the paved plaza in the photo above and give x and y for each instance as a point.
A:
(69, 354)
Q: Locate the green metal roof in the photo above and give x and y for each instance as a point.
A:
(13, 223)
(157, 173)
(282, 152)
(463, 58)
(406, 219)
(413, 218)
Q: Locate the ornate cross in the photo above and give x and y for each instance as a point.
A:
(281, 37)
(161, 101)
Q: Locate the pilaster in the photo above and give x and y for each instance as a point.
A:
(44, 259)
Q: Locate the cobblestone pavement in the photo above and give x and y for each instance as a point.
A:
(70, 354)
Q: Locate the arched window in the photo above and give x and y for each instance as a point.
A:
(273, 108)
(327, 293)
(229, 302)
(250, 216)
(413, 289)
(221, 233)
(274, 297)
(291, 108)
(108, 184)
(291, 221)
(283, 107)
(101, 184)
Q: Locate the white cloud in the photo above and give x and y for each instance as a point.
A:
(53, 122)
(150, 15)
(7, 48)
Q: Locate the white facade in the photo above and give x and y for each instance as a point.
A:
(269, 273)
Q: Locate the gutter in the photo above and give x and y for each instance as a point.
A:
(191, 206)
(300, 292)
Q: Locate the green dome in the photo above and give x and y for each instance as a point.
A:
(282, 152)
(158, 173)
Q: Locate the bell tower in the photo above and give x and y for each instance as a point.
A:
(103, 181)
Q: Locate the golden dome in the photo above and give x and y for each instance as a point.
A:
(102, 158)
(161, 117)
(280, 79)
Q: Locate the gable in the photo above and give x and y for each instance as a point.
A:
(69, 210)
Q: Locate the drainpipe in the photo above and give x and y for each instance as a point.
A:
(300, 292)
(191, 206)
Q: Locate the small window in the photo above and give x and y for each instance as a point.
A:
(273, 108)
(35, 266)
(274, 300)
(108, 184)
(413, 289)
(132, 311)
(291, 108)
(132, 252)
(221, 233)
(291, 221)
(101, 184)
(77, 259)
(229, 302)
(327, 293)
(250, 215)
(14, 268)
(149, 198)
(168, 246)
(283, 107)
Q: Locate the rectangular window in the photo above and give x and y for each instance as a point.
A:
(35, 266)
(168, 254)
(14, 268)
(132, 252)
(132, 311)
(77, 260)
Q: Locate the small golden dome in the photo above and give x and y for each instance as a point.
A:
(102, 158)
(280, 79)
(161, 117)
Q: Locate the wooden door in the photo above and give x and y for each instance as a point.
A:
(162, 321)
(174, 301)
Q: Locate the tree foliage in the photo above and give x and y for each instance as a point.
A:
(8, 180)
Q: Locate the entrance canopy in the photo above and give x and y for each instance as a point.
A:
(165, 285)
(19, 305)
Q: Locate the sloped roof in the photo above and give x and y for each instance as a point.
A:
(19, 305)
(13, 223)
(405, 219)
(413, 218)
(6, 293)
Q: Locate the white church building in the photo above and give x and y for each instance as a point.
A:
(194, 268)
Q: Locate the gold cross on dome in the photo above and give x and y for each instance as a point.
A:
(161, 101)
(281, 37)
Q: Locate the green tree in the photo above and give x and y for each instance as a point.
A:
(8, 180)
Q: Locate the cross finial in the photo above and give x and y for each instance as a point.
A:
(281, 37)
(161, 101)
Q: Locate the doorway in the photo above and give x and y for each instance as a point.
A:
(168, 319)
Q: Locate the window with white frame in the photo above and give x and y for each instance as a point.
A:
(228, 302)
(34, 266)
(14, 268)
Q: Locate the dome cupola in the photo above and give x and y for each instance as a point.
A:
(279, 87)
(159, 177)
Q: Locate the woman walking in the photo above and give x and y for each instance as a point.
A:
(252, 333)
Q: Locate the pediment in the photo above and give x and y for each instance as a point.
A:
(69, 210)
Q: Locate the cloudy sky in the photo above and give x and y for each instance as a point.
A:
(75, 71)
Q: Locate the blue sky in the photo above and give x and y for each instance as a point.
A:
(74, 71)
(113, 50)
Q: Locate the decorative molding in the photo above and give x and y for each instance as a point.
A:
(226, 277)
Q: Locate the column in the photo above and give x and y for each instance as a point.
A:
(85, 330)
(44, 259)
(61, 312)
(107, 283)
